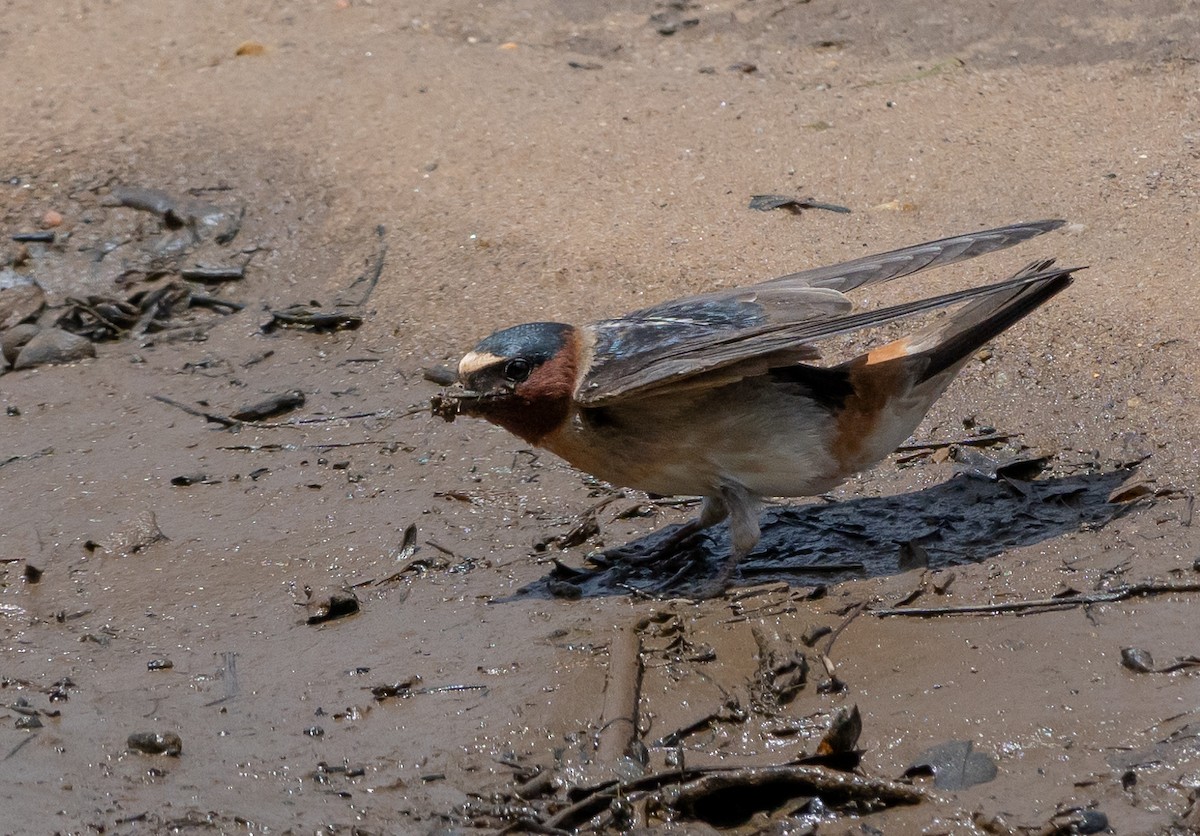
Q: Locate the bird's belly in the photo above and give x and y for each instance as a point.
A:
(772, 444)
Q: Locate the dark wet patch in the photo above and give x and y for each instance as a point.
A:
(954, 766)
(964, 520)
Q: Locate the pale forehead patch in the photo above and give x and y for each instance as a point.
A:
(475, 361)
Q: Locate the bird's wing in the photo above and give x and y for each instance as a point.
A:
(873, 269)
(764, 325)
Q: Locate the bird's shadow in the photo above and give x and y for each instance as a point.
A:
(962, 520)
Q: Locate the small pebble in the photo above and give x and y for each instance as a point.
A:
(159, 665)
(1092, 821)
(1137, 659)
(156, 743)
(186, 479)
(51, 219)
(22, 706)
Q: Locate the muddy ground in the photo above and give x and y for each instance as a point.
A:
(498, 162)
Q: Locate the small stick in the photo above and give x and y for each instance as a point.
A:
(805, 779)
(369, 277)
(729, 712)
(213, 274)
(295, 422)
(13, 751)
(814, 779)
(854, 613)
(43, 452)
(203, 300)
(46, 237)
(970, 441)
(440, 548)
(214, 417)
(1119, 594)
(618, 717)
(101, 318)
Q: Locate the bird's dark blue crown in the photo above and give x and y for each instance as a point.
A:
(534, 341)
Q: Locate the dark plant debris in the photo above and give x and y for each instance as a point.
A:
(795, 205)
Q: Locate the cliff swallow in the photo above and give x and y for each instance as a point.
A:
(719, 395)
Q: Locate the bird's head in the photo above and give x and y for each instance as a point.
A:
(522, 378)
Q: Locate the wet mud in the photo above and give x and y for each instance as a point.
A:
(248, 583)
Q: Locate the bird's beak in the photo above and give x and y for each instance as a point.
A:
(454, 401)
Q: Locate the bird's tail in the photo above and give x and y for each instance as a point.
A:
(894, 385)
(946, 345)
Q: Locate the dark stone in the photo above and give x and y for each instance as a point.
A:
(53, 345)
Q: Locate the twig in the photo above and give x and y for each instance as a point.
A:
(618, 717)
(815, 780)
(969, 441)
(686, 502)
(214, 417)
(226, 421)
(695, 782)
(261, 448)
(915, 451)
(354, 416)
(19, 746)
(101, 318)
(731, 711)
(447, 689)
(370, 275)
(1121, 593)
(203, 300)
(45, 237)
(440, 548)
(201, 273)
(46, 451)
(855, 612)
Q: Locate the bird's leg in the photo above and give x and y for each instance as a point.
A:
(742, 508)
(711, 512)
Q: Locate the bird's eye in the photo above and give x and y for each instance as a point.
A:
(517, 370)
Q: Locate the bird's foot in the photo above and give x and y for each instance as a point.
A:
(684, 543)
(680, 557)
(711, 588)
(718, 585)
